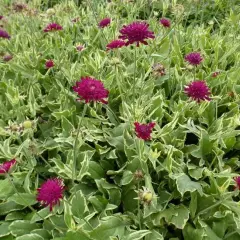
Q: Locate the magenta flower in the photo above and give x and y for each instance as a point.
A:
(79, 48)
(198, 90)
(6, 166)
(4, 34)
(194, 58)
(165, 22)
(52, 27)
(237, 181)
(115, 44)
(49, 64)
(104, 23)
(7, 58)
(144, 131)
(215, 74)
(50, 192)
(91, 90)
(1, 17)
(136, 32)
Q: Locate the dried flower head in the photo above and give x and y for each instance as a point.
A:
(49, 64)
(4, 34)
(144, 131)
(165, 22)
(52, 27)
(6, 166)
(193, 58)
(50, 192)
(19, 7)
(104, 22)
(198, 90)
(91, 90)
(215, 74)
(115, 44)
(79, 48)
(136, 32)
(138, 175)
(74, 20)
(145, 196)
(7, 57)
(158, 69)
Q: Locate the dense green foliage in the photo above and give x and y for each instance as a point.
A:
(187, 167)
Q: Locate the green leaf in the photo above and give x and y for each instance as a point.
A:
(177, 215)
(6, 189)
(191, 233)
(79, 205)
(185, 184)
(79, 235)
(31, 236)
(137, 235)
(22, 227)
(109, 226)
(126, 178)
(154, 235)
(25, 199)
(68, 216)
(4, 230)
(95, 170)
(9, 207)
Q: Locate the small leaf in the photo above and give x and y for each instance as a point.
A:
(79, 205)
(127, 177)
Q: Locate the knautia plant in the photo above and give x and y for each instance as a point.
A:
(119, 120)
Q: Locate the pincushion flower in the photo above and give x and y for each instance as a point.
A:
(165, 22)
(115, 44)
(6, 166)
(144, 131)
(104, 22)
(52, 27)
(91, 90)
(136, 32)
(49, 64)
(193, 58)
(237, 182)
(4, 34)
(198, 90)
(50, 192)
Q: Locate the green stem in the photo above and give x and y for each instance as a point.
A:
(139, 210)
(134, 82)
(75, 144)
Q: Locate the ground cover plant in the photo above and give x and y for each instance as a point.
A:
(119, 120)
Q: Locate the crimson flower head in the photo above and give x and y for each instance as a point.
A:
(144, 131)
(49, 64)
(6, 166)
(136, 32)
(104, 23)
(115, 44)
(237, 181)
(52, 27)
(198, 90)
(7, 58)
(4, 34)
(91, 90)
(50, 192)
(165, 22)
(1, 17)
(194, 58)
